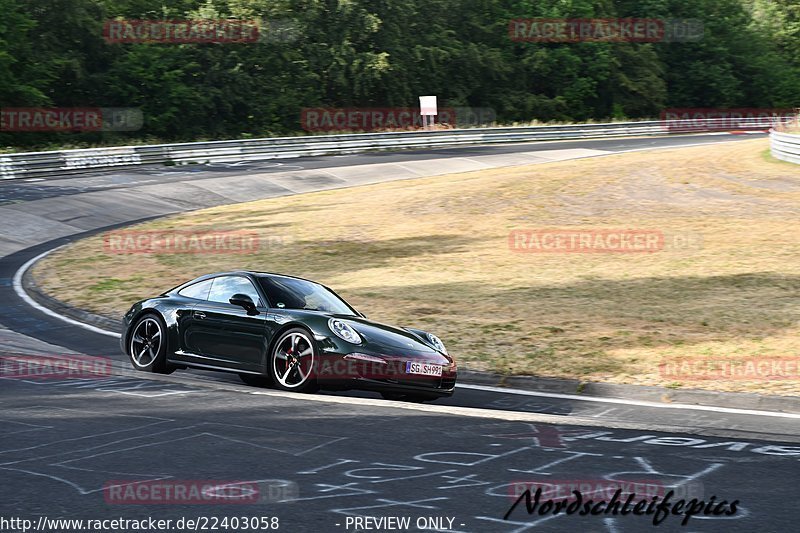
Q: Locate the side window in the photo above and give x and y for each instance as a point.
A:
(226, 286)
(198, 291)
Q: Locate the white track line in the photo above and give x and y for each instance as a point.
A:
(641, 403)
(17, 283)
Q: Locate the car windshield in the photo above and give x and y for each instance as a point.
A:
(292, 293)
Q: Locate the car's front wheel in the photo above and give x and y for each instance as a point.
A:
(293, 362)
(147, 346)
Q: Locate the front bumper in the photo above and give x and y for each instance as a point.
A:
(364, 375)
(385, 386)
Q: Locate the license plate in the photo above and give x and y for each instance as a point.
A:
(423, 369)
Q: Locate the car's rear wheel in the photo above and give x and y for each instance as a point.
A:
(293, 362)
(147, 346)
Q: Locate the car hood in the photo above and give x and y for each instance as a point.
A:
(378, 338)
(376, 333)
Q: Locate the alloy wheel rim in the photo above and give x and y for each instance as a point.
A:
(146, 342)
(293, 361)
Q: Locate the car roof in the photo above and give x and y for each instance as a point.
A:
(255, 273)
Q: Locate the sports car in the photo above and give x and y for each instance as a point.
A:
(287, 332)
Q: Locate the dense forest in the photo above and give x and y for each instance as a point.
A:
(378, 53)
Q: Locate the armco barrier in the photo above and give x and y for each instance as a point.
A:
(785, 146)
(43, 164)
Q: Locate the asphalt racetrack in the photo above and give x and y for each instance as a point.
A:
(74, 449)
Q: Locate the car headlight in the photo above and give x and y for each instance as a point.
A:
(344, 331)
(436, 342)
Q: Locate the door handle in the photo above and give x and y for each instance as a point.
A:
(199, 315)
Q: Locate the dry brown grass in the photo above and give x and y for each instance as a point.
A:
(434, 253)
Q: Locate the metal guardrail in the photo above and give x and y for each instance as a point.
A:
(785, 146)
(46, 164)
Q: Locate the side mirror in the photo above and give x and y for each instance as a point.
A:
(243, 300)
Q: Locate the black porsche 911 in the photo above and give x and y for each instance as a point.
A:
(286, 332)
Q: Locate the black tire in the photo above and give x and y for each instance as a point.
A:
(296, 370)
(148, 345)
(255, 380)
